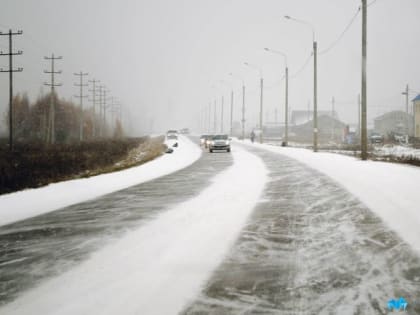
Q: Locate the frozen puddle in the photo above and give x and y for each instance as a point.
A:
(160, 267)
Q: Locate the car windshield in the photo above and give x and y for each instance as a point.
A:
(220, 137)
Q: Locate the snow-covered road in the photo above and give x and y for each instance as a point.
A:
(252, 232)
(311, 247)
(32, 202)
(158, 267)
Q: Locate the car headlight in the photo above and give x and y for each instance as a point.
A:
(227, 142)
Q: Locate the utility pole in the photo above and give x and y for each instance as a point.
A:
(209, 119)
(332, 119)
(93, 105)
(101, 87)
(10, 71)
(105, 107)
(261, 108)
(215, 118)
(358, 115)
(221, 121)
(51, 120)
(111, 110)
(309, 110)
(406, 93)
(286, 94)
(286, 113)
(231, 112)
(315, 99)
(364, 86)
(81, 96)
(243, 110)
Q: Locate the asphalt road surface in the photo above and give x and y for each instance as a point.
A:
(47, 245)
(309, 247)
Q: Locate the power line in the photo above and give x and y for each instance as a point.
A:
(371, 3)
(334, 43)
(303, 67)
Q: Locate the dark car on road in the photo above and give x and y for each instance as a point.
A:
(376, 138)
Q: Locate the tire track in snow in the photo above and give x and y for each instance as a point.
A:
(159, 267)
(310, 247)
(45, 246)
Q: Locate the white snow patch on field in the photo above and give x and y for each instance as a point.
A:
(31, 202)
(159, 268)
(397, 151)
(390, 190)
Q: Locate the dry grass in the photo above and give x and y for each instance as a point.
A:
(35, 165)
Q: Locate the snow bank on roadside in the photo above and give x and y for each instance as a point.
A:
(28, 203)
(390, 190)
(161, 266)
(397, 151)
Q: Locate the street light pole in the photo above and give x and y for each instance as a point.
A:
(261, 108)
(286, 94)
(231, 113)
(209, 119)
(215, 118)
(243, 111)
(364, 90)
(315, 48)
(315, 100)
(406, 93)
(243, 106)
(221, 118)
(261, 98)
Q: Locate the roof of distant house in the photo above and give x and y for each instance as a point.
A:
(391, 114)
(417, 98)
(300, 117)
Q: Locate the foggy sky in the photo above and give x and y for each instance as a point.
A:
(164, 59)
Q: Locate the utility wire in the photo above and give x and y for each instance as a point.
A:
(302, 68)
(371, 3)
(334, 43)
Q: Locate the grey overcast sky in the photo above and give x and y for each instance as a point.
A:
(165, 59)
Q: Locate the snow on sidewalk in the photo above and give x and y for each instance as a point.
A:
(31, 202)
(390, 190)
(160, 267)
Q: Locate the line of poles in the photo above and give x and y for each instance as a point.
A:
(363, 99)
(50, 134)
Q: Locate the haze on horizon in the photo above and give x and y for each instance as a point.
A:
(165, 60)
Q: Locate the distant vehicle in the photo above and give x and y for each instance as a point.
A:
(172, 132)
(206, 140)
(184, 131)
(203, 139)
(376, 138)
(219, 142)
(172, 136)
